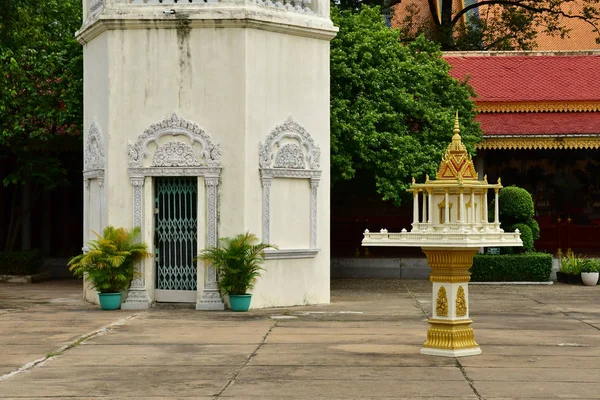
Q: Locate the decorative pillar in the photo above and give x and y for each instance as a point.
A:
(211, 298)
(415, 208)
(446, 208)
(485, 208)
(266, 208)
(137, 298)
(424, 216)
(429, 197)
(86, 211)
(450, 333)
(101, 188)
(472, 207)
(461, 206)
(496, 208)
(314, 186)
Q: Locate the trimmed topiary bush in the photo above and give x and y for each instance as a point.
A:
(28, 262)
(516, 212)
(516, 205)
(535, 228)
(528, 267)
(526, 236)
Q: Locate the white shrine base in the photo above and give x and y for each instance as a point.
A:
(450, 353)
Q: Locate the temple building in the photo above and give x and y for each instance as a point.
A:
(540, 116)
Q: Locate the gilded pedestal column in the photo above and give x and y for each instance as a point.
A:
(450, 333)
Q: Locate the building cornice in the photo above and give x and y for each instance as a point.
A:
(537, 107)
(540, 142)
(229, 15)
(529, 53)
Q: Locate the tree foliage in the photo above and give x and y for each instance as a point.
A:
(496, 24)
(392, 106)
(41, 96)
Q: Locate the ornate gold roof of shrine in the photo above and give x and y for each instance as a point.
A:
(456, 171)
(456, 163)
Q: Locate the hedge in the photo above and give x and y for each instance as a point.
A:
(528, 267)
(27, 262)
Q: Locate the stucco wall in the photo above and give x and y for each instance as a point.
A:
(288, 76)
(237, 84)
(96, 102)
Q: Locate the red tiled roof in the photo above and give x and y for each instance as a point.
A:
(533, 78)
(499, 124)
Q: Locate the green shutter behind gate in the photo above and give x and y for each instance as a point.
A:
(176, 232)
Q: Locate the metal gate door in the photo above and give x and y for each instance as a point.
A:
(176, 240)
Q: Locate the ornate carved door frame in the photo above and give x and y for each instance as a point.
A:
(175, 158)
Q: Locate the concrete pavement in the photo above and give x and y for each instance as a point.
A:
(538, 342)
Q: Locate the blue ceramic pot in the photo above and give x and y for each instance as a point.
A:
(240, 302)
(110, 301)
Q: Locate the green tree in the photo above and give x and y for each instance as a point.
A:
(392, 106)
(41, 96)
(496, 24)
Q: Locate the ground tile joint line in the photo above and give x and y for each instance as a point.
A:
(56, 353)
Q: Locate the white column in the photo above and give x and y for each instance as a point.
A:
(211, 298)
(415, 208)
(472, 206)
(429, 207)
(424, 211)
(86, 210)
(137, 297)
(314, 186)
(101, 203)
(496, 208)
(461, 204)
(485, 207)
(446, 208)
(266, 208)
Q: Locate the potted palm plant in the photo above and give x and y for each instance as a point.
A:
(237, 262)
(590, 271)
(108, 263)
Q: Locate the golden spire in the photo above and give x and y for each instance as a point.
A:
(456, 139)
(456, 163)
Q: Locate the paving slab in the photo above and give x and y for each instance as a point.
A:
(347, 387)
(537, 342)
(538, 390)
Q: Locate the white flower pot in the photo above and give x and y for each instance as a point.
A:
(589, 278)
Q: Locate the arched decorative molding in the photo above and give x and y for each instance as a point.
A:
(289, 129)
(175, 154)
(290, 156)
(176, 158)
(93, 155)
(93, 169)
(289, 160)
(174, 126)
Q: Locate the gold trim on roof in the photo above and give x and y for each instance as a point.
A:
(540, 143)
(456, 163)
(565, 106)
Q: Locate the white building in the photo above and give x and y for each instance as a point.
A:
(204, 120)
